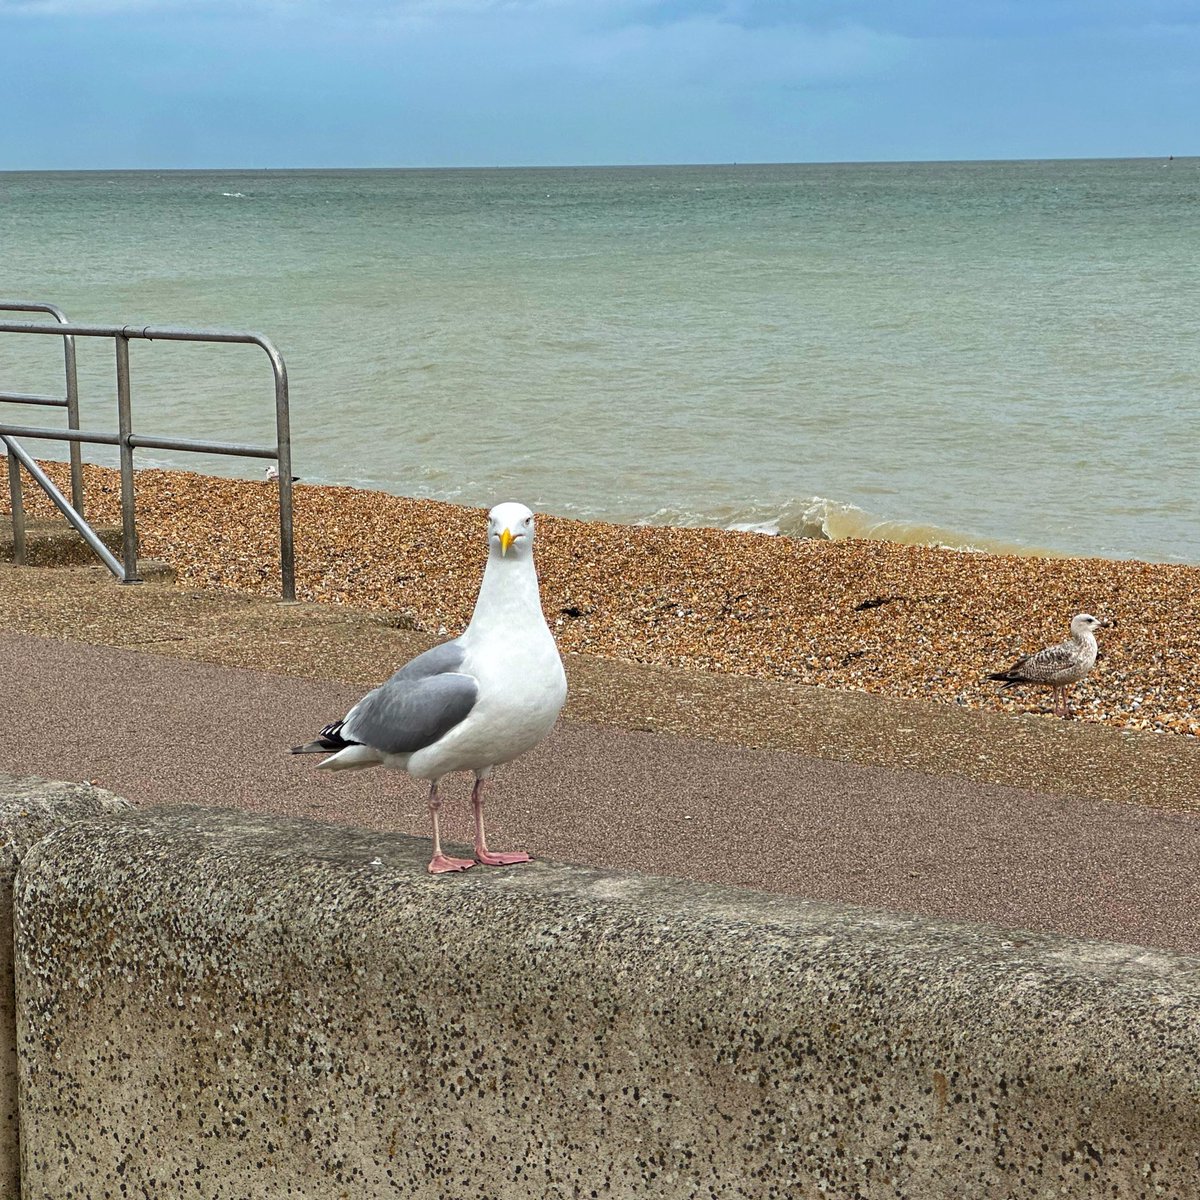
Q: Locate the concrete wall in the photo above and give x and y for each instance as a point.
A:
(29, 809)
(223, 1005)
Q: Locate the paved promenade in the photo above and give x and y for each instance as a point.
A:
(167, 696)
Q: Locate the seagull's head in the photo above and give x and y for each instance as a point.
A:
(1084, 623)
(510, 530)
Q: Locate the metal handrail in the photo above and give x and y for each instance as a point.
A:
(126, 440)
(85, 531)
(70, 401)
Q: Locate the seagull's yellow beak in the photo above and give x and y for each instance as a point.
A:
(506, 540)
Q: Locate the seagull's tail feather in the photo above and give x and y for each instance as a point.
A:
(327, 741)
(1008, 678)
(345, 754)
(353, 758)
(316, 747)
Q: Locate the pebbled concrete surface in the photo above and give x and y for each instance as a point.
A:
(239, 1006)
(29, 809)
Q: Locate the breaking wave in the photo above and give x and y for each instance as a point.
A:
(832, 520)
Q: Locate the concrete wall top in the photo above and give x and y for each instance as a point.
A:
(31, 806)
(238, 1005)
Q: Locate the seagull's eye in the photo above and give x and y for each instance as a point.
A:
(528, 521)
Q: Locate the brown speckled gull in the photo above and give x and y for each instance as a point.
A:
(1058, 666)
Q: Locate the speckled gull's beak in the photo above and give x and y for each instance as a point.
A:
(506, 540)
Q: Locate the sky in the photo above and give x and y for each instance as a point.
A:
(109, 84)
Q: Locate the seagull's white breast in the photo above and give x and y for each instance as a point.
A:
(522, 686)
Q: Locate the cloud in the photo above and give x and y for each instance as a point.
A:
(312, 82)
(710, 43)
(708, 48)
(72, 8)
(657, 41)
(76, 9)
(901, 18)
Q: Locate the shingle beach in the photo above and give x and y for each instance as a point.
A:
(894, 620)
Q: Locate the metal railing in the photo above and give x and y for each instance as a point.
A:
(70, 401)
(126, 440)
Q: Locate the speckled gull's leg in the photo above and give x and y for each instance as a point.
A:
(483, 855)
(440, 863)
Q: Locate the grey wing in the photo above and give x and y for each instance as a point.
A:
(421, 702)
(1045, 665)
(436, 661)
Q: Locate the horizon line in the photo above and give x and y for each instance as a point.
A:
(610, 166)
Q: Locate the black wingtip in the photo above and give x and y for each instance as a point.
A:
(326, 742)
(1006, 678)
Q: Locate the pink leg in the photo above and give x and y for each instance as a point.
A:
(482, 854)
(441, 863)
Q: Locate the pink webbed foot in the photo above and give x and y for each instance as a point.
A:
(486, 858)
(440, 863)
(483, 855)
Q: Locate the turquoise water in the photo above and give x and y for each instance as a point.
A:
(987, 354)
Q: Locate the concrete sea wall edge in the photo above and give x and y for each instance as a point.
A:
(223, 1004)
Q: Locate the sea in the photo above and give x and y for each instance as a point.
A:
(988, 355)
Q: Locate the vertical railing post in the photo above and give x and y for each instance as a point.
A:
(69, 365)
(283, 437)
(17, 504)
(129, 547)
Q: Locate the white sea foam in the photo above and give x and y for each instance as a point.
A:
(833, 520)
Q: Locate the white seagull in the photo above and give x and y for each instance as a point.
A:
(1058, 666)
(470, 704)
